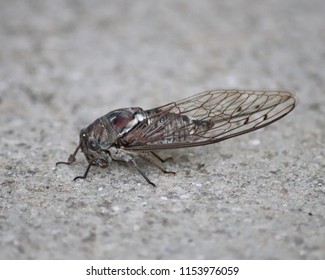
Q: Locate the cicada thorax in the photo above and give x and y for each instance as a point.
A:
(126, 119)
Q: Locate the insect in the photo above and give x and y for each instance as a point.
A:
(212, 116)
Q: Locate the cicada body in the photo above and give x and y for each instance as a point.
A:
(205, 118)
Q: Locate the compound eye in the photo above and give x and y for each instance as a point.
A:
(93, 144)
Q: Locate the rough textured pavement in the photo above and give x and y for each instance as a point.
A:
(66, 63)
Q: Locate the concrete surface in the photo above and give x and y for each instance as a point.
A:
(65, 63)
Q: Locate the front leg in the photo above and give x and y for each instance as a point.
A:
(71, 159)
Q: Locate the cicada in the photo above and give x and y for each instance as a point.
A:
(129, 134)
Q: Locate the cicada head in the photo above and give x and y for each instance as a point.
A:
(95, 141)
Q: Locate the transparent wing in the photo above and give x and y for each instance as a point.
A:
(208, 117)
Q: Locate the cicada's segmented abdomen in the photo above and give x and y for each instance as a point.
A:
(174, 127)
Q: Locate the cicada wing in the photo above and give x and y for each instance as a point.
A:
(209, 117)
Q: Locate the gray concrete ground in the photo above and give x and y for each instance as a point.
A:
(65, 63)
